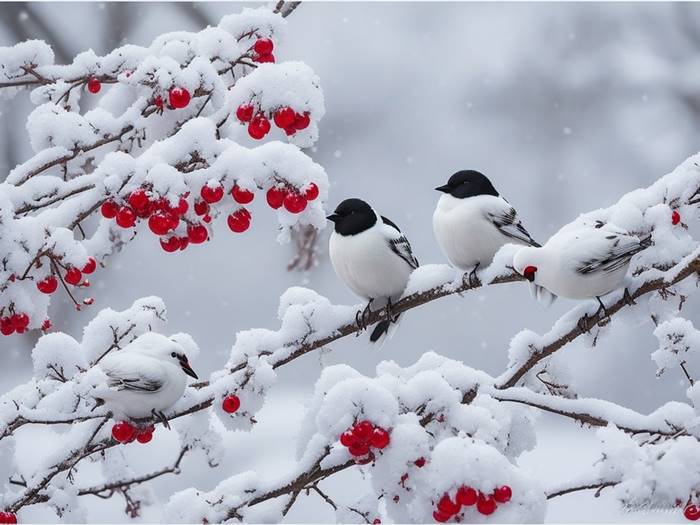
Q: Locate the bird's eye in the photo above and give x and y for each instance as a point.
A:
(529, 273)
(173, 354)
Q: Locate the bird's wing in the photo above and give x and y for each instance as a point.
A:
(399, 243)
(611, 252)
(507, 222)
(134, 372)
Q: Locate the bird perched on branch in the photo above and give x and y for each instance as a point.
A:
(371, 256)
(472, 222)
(581, 263)
(145, 378)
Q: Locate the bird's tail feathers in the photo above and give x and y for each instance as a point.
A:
(542, 295)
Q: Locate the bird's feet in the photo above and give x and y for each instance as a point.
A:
(361, 317)
(390, 311)
(473, 280)
(629, 301)
(601, 309)
(161, 417)
(584, 324)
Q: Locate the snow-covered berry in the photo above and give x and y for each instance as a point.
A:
(126, 217)
(691, 512)
(213, 193)
(485, 504)
(90, 266)
(94, 85)
(263, 46)
(502, 494)
(73, 276)
(8, 518)
(285, 117)
(179, 97)
(241, 195)
(123, 432)
(197, 233)
(275, 197)
(379, 438)
(231, 404)
(294, 202)
(311, 192)
(239, 220)
(466, 496)
(259, 126)
(109, 209)
(48, 285)
(245, 112)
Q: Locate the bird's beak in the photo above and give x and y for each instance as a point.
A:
(185, 364)
(333, 217)
(444, 189)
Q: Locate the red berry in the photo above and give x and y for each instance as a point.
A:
(212, 194)
(8, 517)
(241, 195)
(182, 206)
(290, 130)
(440, 517)
(691, 512)
(158, 101)
(159, 223)
(311, 192)
(502, 494)
(126, 217)
(138, 199)
(447, 506)
(231, 403)
(675, 217)
(90, 265)
(363, 430)
(358, 449)
(109, 209)
(420, 462)
(466, 496)
(179, 97)
(197, 233)
(239, 220)
(379, 438)
(285, 117)
(294, 203)
(123, 432)
(73, 276)
(48, 284)
(376, 521)
(46, 325)
(7, 327)
(144, 435)
(485, 504)
(302, 120)
(275, 197)
(347, 438)
(201, 207)
(259, 126)
(245, 111)
(94, 86)
(263, 46)
(170, 245)
(207, 218)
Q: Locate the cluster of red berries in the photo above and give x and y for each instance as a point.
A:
(231, 404)
(691, 512)
(8, 517)
(73, 276)
(466, 497)
(293, 200)
(178, 98)
(361, 438)
(263, 51)
(259, 122)
(125, 432)
(17, 322)
(675, 217)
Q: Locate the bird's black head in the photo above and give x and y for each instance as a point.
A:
(353, 216)
(468, 183)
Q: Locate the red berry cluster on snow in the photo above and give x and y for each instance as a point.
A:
(8, 517)
(285, 118)
(124, 432)
(486, 504)
(361, 438)
(691, 512)
(231, 404)
(165, 219)
(263, 50)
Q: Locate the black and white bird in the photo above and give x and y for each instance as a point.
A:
(583, 262)
(145, 378)
(472, 222)
(371, 256)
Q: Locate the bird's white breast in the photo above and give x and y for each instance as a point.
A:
(367, 265)
(464, 234)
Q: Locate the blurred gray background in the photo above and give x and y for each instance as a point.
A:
(565, 107)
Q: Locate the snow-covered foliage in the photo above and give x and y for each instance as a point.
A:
(163, 146)
(435, 441)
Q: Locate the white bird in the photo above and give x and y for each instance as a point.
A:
(580, 263)
(472, 222)
(371, 256)
(145, 378)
